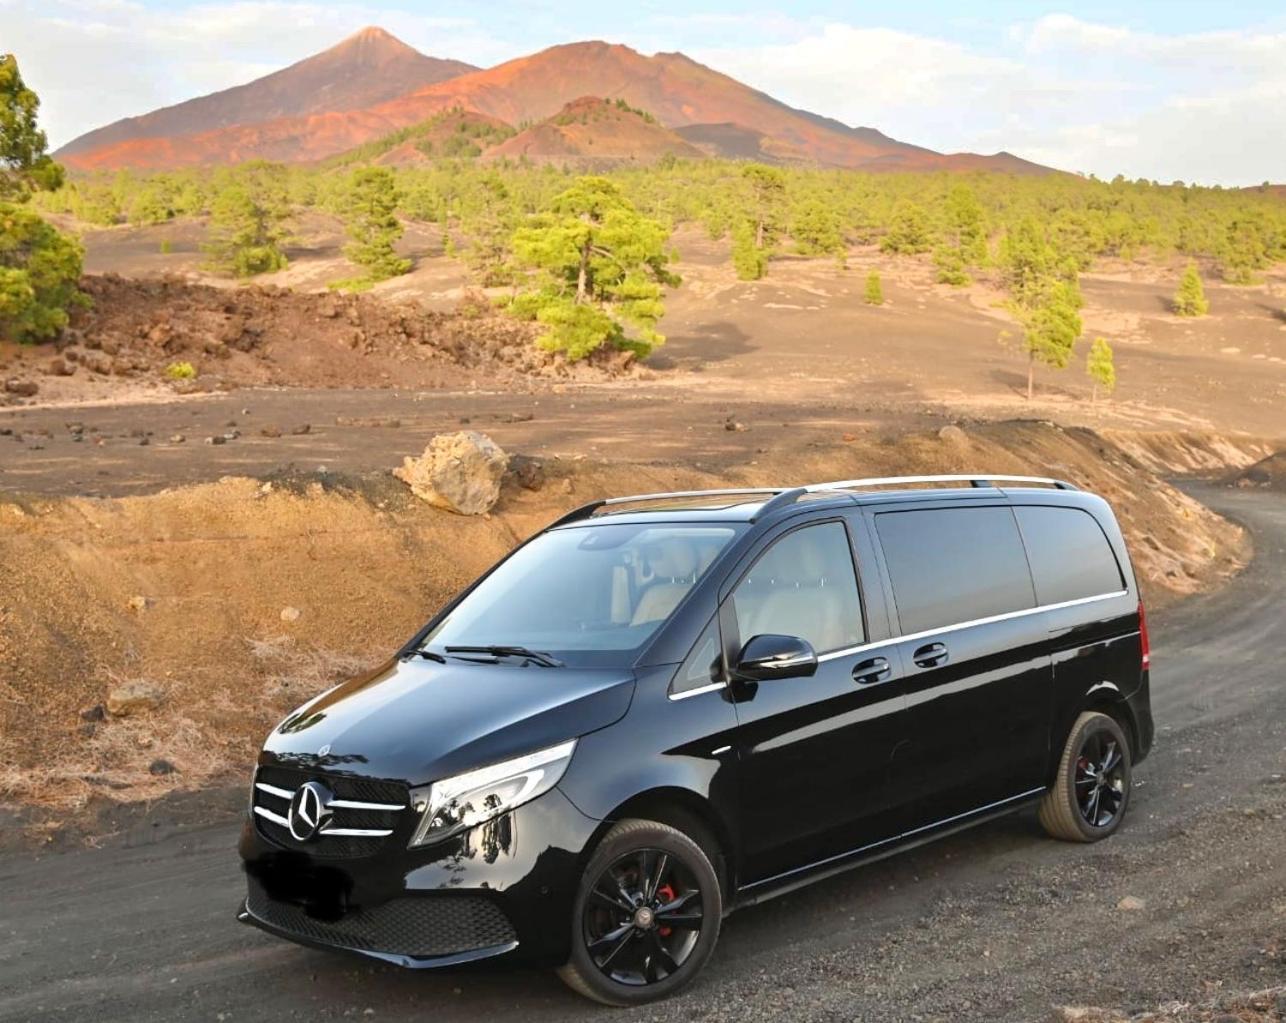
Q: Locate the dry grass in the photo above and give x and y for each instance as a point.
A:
(1267, 1006)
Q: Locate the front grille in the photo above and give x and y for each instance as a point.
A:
(272, 808)
(430, 925)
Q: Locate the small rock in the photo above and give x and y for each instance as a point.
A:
(161, 766)
(232, 435)
(952, 434)
(848, 438)
(216, 439)
(94, 713)
(732, 426)
(144, 441)
(1131, 904)
(529, 473)
(270, 431)
(22, 388)
(460, 472)
(61, 367)
(138, 604)
(178, 438)
(134, 697)
(302, 429)
(290, 614)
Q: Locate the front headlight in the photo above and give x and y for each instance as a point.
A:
(455, 804)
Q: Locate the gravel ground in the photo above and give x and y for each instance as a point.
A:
(994, 924)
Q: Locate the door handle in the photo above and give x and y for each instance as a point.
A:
(931, 655)
(876, 669)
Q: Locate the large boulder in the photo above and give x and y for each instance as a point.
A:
(460, 472)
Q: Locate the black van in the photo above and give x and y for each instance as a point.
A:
(663, 708)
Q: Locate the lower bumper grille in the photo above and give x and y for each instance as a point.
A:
(431, 925)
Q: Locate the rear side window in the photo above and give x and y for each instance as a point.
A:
(951, 565)
(1069, 554)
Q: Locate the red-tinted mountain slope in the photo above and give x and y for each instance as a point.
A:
(367, 68)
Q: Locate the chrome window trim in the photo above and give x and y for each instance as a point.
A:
(1006, 616)
(710, 688)
(911, 636)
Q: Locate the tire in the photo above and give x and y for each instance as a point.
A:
(1070, 810)
(625, 958)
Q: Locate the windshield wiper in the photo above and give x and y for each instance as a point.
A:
(498, 651)
(428, 655)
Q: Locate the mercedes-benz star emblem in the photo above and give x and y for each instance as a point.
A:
(309, 810)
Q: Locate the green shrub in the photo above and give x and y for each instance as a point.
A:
(874, 289)
(180, 371)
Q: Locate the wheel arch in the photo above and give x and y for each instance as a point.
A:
(1104, 698)
(690, 812)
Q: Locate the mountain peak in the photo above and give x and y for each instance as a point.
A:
(371, 40)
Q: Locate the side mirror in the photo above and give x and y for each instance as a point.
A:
(769, 656)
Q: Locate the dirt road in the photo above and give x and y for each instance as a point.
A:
(994, 924)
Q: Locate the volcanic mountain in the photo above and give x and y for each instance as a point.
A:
(368, 67)
(595, 131)
(711, 111)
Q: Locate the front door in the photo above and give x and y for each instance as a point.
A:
(814, 752)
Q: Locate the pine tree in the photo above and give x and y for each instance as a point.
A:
(1190, 299)
(370, 219)
(749, 262)
(39, 267)
(874, 289)
(1051, 324)
(1101, 368)
(25, 166)
(247, 220)
(816, 229)
(602, 267)
(908, 231)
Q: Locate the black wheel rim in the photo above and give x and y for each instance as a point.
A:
(1100, 779)
(643, 917)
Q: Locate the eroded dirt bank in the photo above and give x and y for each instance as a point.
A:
(236, 600)
(126, 340)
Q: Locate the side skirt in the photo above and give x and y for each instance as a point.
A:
(791, 880)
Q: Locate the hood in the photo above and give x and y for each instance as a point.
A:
(416, 721)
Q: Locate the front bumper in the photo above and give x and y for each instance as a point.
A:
(504, 888)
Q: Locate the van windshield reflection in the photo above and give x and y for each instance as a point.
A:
(581, 595)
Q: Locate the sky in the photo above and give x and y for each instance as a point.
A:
(1166, 91)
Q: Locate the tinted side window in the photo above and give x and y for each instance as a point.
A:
(952, 565)
(803, 585)
(704, 665)
(1069, 554)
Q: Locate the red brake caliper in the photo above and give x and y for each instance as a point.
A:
(666, 894)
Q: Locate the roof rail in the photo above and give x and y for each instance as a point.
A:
(779, 497)
(974, 480)
(585, 511)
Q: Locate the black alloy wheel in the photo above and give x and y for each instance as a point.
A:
(1088, 797)
(1100, 779)
(647, 915)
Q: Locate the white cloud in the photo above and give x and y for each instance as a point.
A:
(1063, 91)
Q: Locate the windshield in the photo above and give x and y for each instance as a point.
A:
(588, 594)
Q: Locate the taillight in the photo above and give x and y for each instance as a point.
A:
(1143, 637)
